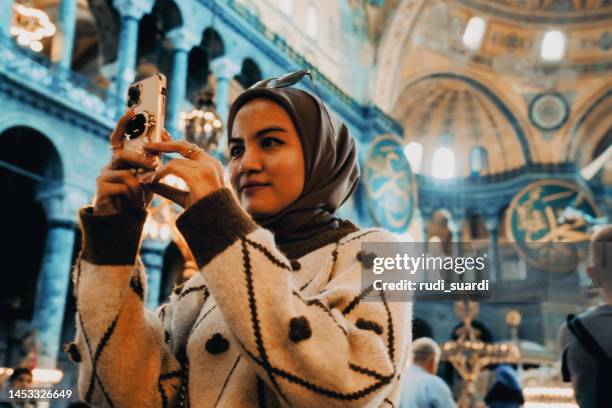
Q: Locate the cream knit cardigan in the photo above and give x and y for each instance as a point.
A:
(253, 329)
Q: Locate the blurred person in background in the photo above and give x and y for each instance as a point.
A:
(586, 339)
(421, 388)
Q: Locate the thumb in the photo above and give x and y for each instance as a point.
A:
(173, 194)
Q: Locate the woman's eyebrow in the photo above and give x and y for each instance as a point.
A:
(260, 133)
(264, 131)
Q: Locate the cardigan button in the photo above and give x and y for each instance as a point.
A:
(217, 344)
(295, 265)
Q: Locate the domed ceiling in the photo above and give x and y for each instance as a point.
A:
(545, 11)
(459, 113)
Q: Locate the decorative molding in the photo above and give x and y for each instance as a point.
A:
(133, 8)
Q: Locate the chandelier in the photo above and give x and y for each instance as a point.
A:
(30, 26)
(202, 125)
(469, 355)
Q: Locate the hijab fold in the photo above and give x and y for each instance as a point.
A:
(331, 169)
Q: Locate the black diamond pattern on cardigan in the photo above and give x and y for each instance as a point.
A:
(136, 286)
(268, 254)
(369, 325)
(105, 338)
(202, 318)
(261, 392)
(390, 332)
(352, 396)
(94, 374)
(366, 371)
(227, 379)
(357, 300)
(194, 289)
(254, 318)
(271, 370)
(322, 306)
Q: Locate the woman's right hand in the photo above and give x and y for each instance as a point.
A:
(118, 189)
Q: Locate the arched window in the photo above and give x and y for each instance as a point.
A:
(312, 21)
(474, 32)
(552, 48)
(414, 154)
(479, 161)
(443, 163)
(286, 6)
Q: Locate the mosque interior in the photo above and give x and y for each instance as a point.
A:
(479, 124)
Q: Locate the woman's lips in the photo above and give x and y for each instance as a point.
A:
(253, 188)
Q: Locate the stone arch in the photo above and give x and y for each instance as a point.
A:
(592, 125)
(29, 161)
(250, 72)
(483, 110)
(198, 71)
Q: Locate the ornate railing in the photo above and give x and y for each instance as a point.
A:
(38, 73)
(299, 59)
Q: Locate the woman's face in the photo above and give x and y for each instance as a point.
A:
(266, 159)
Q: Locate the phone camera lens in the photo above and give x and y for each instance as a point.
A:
(133, 96)
(136, 126)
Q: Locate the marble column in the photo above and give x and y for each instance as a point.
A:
(63, 41)
(224, 69)
(492, 225)
(182, 40)
(54, 276)
(152, 253)
(456, 228)
(6, 15)
(131, 11)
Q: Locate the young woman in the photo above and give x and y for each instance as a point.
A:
(276, 316)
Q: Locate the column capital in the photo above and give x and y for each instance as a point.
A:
(491, 224)
(224, 67)
(182, 38)
(61, 203)
(133, 8)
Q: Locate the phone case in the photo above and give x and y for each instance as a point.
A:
(148, 100)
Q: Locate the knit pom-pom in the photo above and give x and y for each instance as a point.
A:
(295, 265)
(366, 259)
(217, 344)
(73, 352)
(369, 325)
(299, 329)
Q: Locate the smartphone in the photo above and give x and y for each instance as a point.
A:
(147, 98)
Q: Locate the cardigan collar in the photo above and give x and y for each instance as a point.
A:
(298, 249)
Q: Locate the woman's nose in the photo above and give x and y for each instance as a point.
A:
(251, 161)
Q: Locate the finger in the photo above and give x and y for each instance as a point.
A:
(126, 177)
(184, 148)
(177, 167)
(113, 189)
(116, 137)
(166, 137)
(124, 159)
(173, 194)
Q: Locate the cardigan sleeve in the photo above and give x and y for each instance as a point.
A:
(120, 345)
(330, 349)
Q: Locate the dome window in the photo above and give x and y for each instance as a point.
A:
(474, 33)
(443, 163)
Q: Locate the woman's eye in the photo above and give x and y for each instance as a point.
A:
(270, 141)
(236, 151)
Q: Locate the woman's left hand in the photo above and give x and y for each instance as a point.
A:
(202, 173)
